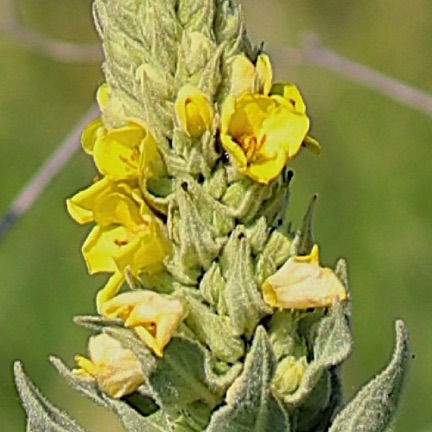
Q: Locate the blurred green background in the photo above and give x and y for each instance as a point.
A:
(373, 178)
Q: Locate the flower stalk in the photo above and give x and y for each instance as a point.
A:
(215, 314)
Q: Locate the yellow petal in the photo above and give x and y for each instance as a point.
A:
(102, 245)
(264, 74)
(235, 151)
(249, 113)
(194, 111)
(291, 94)
(246, 77)
(152, 164)
(267, 170)
(110, 289)
(301, 283)
(81, 205)
(117, 152)
(153, 316)
(261, 133)
(121, 305)
(117, 208)
(165, 313)
(148, 249)
(312, 145)
(102, 96)
(146, 336)
(86, 368)
(242, 75)
(89, 135)
(311, 258)
(284, 131)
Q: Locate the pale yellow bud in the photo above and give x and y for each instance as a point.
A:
(116, 369)
(194, 111)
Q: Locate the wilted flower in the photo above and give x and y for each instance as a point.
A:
(301, 283)
(116, 369)
(153, 316)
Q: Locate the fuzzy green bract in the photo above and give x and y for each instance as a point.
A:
(230, 362)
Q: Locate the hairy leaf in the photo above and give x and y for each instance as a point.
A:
(41, 414)
(373, 408)
(250, 404)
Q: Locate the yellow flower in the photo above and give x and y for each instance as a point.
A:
(194, 111)
(301, 283)
(127, 233)
(262, 133)
(247, 77)
(118, 153)
(153, 316)
(125, 236)
(116, 369)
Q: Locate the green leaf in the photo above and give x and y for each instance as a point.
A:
(284, 335)
(245, 198)
(41, 414)
(213, 330)
(197, 16)
(304, 239)
(275, 210)
(332, 345)
(341, 271)
(184, 385)
(211, 211)
(311, 415)
(257, 234)
(211, 288)
(184, 367)
(198, 237)
(273, 255)
(373, 408)
(250, 404)
(96, 323)
(243, 301)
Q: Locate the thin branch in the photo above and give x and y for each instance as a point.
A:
(10, 24)
(41, 179)
(315, 54)
(310, 53)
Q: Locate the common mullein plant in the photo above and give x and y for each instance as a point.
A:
(216, 315)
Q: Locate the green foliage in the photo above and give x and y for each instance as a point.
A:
(372, 408)
(42, 415)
